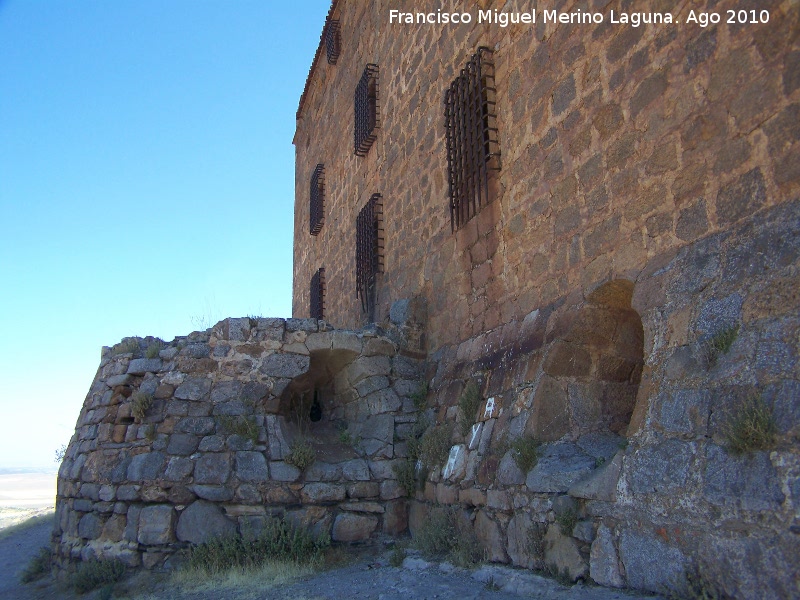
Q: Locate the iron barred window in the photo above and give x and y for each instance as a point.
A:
(471, 136)
(317, 194)
(369, 253)
(367, 119)
(317, 297)
(332, 41)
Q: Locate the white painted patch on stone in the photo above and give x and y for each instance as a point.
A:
(475, 436)
(487, 413)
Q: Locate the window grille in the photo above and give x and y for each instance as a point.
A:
(369, 253)
(317, 208)
(471, 135)
(317, 297)
(332, 41)
(367, 119)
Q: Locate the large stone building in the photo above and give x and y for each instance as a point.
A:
(578, 232)
(586, 211)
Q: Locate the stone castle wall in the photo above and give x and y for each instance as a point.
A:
(647, 202)
(210, 452)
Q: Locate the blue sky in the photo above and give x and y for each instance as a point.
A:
(146, 184)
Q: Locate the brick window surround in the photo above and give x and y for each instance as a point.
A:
(471, 137)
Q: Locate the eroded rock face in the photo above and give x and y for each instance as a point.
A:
(198, 442)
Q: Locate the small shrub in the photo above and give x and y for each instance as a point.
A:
(397, 556)
(140, 404)
(752, 427)
(302, 454)
(406, 476)
(524, 451)
(38, 567)
(61, 452)
(719, 343)
(127, 346)
(492, 586)
(279, 540)
(97, 573)
(154, 349)
(567, 520)
(420, 397)
(247, 427)
(468, 404)
(443, 535)
(434, 445)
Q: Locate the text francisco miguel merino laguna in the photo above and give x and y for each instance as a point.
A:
(546, 16)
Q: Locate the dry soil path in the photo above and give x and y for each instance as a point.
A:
(369, 578)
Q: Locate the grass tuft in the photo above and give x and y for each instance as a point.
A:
(752, 427)
(567, 520)
(97, 573)
(719, 343)
(154, 349)
(420, 397)
(302, 454)
(247, 427)
(468, 404)
(140, 404)
(279, 541)
(434, 445)
(38, 567)
(524, 451)
(444, 536)
(406, 476)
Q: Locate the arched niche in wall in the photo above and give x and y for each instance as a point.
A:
(311, 403)
(593, 368)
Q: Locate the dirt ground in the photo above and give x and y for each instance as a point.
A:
(369, 576)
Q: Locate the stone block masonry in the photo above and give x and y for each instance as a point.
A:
(646, 203)
(181, 442)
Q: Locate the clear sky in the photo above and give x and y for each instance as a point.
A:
(146, 184)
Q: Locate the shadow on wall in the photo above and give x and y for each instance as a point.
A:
(591, 373)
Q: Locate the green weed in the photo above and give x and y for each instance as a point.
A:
(154, 349)
(406, 476)
(434, 445)
(302, 454)
(97, 573)
(140, 404)
(567, 520)
(525, 452)
(468, 404)
(420, 397)
(720, 343)
(246, 427)
(752, 427)
(37, 567)
(444, 535)
(278, 541)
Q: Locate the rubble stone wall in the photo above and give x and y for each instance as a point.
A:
(180, 442)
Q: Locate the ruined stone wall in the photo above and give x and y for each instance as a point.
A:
(180, 442)
(647, 202)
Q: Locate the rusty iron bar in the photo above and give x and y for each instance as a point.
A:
(369, 252)
(471, 137)
(367, 113)
(332, 42)
(317, 204)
